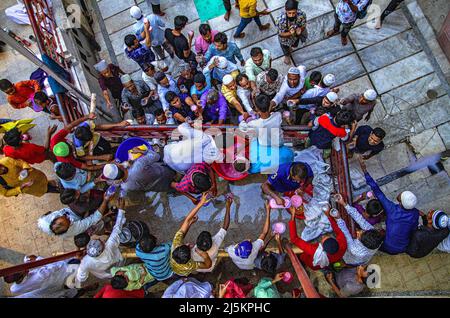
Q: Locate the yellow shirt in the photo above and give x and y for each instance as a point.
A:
(247, 8)
(181, 269)
(230, 95)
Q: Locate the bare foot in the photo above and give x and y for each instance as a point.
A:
(227, 16)
(344, 40)
(287, 60)
(331, 33)
(378, 25)
(239, 36)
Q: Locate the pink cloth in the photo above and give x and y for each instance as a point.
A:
(201, 46)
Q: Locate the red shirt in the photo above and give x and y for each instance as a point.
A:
(60, 136)
(24, 91)
(186, 184)
(310, 248)
(28, 152)
(325, 122)
(108, 292)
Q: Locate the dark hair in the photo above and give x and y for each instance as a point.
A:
(199, 78)
(5, 84)
(13, 137)
(147, 243)
(315, 76)
(170, 96)
(291, 5)
(120, 174)
(182, 254)
(129, 40)
(240, 166)
(180, 22)
(40, 97)
(240, 77)
(201, 181)
(221, 38)
(159, 76)
(137, 112)
(204, 241)
(262, 103)
(14, 278)
(52, 223)
(158, 112)
(372, 239)
(299, 170)
(255, 51)
(119, 282)
(81, 240)
(379, 132)
(204, 28)
(374, 207)
(65, 170)
(149, 66)
(269, 264)
(344, 117)
(272, 74)
(67, 196)
(84, 133)
(330, 245)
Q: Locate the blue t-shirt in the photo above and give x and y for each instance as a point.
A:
(157, 261)
(282, 182)
(142, 55)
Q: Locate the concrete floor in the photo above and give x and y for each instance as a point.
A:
(392, 61)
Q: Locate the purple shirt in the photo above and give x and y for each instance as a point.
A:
(201, 46)
(216, 112)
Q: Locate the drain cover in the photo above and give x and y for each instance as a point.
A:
(432, 94)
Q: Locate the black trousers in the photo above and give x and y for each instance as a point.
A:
(345, 26)
(390, 8)
(227, 4)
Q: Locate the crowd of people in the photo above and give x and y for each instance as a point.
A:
(209, 81)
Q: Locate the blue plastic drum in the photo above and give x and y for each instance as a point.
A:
(128, 144)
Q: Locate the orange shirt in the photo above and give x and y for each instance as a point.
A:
(24, 91)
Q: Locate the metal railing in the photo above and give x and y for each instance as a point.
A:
(341, 179)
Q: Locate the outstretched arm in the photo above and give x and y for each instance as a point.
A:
(266, 227)
(75, 123)
(226, 220)
(192, 216)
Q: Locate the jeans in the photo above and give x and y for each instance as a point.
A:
(245, 22)
(345, 26)
(390, 8)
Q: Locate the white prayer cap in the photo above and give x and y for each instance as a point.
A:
(294, 70)
(329, 79)
(408, 200)
(101, 66)
(227, 79)
(223, 62)
(135, 12)
(332, 97)
(125, 78)
(95, 248)
(110, 171)
(370, 95)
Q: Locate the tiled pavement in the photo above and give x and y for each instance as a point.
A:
(392, 61)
